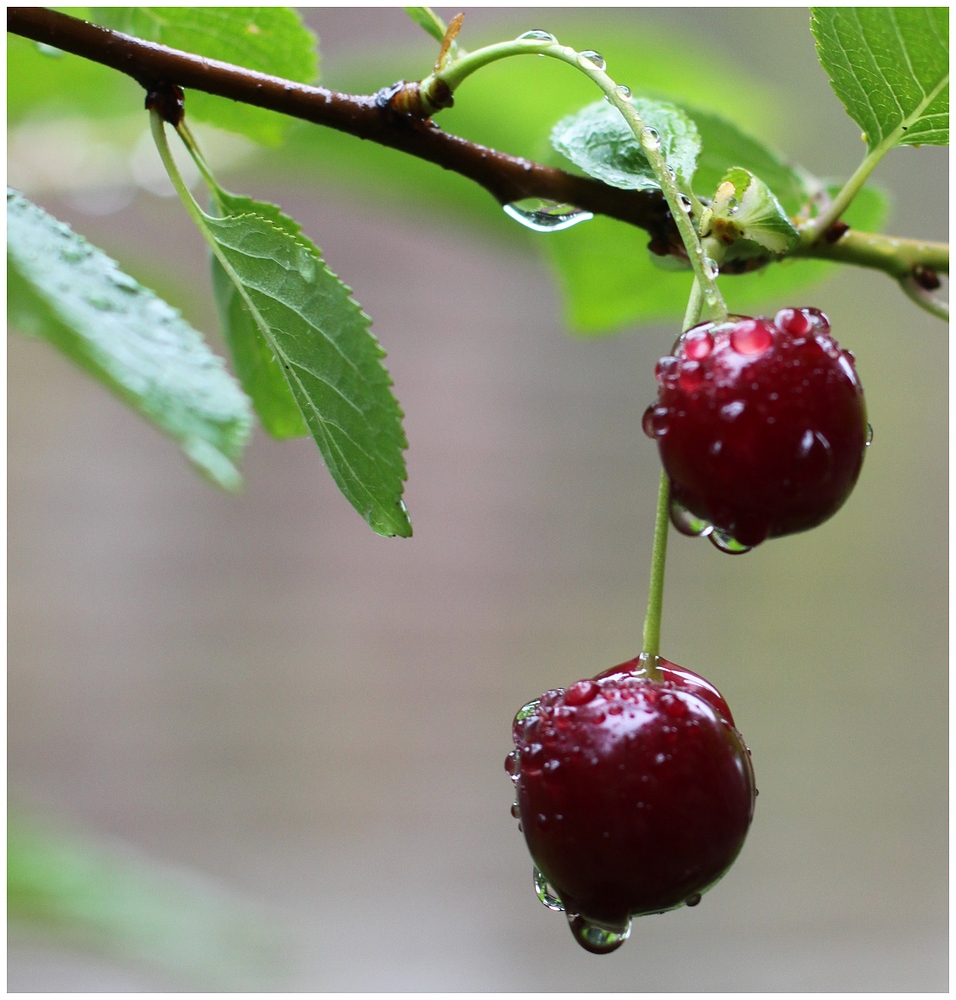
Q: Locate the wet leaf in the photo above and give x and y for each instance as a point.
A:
(65, 290)
(890, 68)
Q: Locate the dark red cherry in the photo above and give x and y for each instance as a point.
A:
(635, 793)
(761, 426)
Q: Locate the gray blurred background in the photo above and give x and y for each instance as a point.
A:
(258, 689)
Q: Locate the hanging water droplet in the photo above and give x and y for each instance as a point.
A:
(516, 810)
(869, 435)
(595, 938)
(546, 893)
(727, 543)
(651, 138)
(693, 900)
(513, 765)
(537, 35)
(595, 59)
(687, 523)
(544, 216)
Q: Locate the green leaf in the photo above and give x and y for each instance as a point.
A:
(65, 290)
(599, 141)
(426, 18)
(890, 68)
(330, 359)
(745, 209)
(107, 897)
(610, 281)
(268, 39)
(259, 371)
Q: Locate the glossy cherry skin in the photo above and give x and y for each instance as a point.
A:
(635, 793)
(761, 424)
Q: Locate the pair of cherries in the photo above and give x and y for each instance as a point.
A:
(634, 789)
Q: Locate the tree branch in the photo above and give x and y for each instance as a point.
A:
(506, 178)
(376, 118)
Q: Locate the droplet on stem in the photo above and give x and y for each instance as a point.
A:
(543, 216)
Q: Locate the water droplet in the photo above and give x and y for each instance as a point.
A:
(750, 337)
(686, 522)
(101, 302)
(537, 35)
(516, 810)
(710, 268)
(594, 58)
(305, 265)
(685, 203)
(124, 281)
(580, 693)
(596, 938)
(697, 345)
(527, 711)
(666, 369)
(730, 411)
(693, 900)
(654, 421)
(869, 435)
(625, 92)
(546, 893)
(49, 50)
(513, 764)
(74, 253)
(727, 543)
(546, 216)
(793, 321)
(651, 138)
(691, 377)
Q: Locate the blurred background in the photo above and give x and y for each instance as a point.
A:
(254, 712)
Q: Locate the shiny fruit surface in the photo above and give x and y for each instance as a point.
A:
(635, 793)
(761, 426)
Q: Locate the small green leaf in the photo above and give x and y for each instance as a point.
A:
(745, 209)
(426, 18)
(599, 141)
(259, 370)
(890, 68)
(65, 290)
(269, 39)
(330, 359)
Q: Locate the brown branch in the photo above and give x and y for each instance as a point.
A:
(506, 178)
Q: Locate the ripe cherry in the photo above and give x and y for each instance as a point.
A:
(761, 426)
(635, 793)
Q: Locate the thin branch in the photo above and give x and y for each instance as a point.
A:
(506, 178)
(374, 117)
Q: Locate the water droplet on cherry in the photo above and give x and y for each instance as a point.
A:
(596, 938)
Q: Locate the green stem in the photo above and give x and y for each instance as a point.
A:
(456, 72)
(924, 298)
(158, 128)
(894, 255)
(655, 592)
(814, 229)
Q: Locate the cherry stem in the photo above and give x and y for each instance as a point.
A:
(655, 592)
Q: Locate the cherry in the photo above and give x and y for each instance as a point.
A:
(761, 427)
(635, 793)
